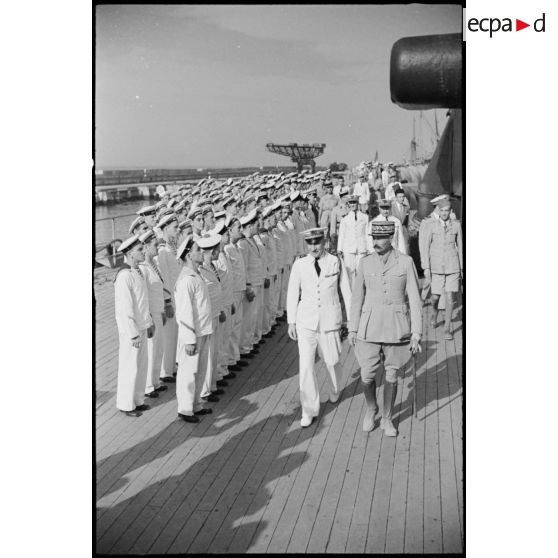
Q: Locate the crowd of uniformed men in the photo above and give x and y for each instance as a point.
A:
(212, 269)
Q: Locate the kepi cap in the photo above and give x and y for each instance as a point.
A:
(382, 229)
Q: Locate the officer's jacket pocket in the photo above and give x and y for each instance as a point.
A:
(402, 323)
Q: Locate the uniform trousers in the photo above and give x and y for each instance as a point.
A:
(170, 335)
(132, 372)
(218, 372)
(237, 318)
(190, 376)
(351, 264)
(250, 310)
(209, 379)
(258, 325)
(280, 298)
(224, 344)
(329, 345)
(155, 350)
(275, 297)
(266, 314)
(284, 286)
(369, 359)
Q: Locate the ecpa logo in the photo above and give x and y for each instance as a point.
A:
(494, 24)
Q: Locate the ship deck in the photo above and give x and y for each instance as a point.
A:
(249, 479)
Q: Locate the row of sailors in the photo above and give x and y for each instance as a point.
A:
(212, 300)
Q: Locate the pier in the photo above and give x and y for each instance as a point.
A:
(249, 479)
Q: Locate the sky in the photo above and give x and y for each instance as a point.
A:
(190, 86)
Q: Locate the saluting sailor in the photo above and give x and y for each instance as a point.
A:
(315, 318)
(379, 320)
(135, 325)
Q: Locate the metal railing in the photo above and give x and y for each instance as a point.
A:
(113, 220)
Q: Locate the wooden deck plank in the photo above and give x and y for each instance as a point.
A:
(300, 463)
(414, 512)
(322, 528)
(432, 498)
(395, 527)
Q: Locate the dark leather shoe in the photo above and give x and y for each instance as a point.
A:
(143, 407)
(132, 413)
(235, 367)
(267, 335)
(229, 376)
(212, 398)
(162, 388)
(221, 383)
(188, 418)
(261, 341)
(218, 391)
(254, 352)
(203, 412)
(242, 363)
(247, 355)
(168, 380)
(152, 395)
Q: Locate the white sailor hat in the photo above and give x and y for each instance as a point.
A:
(185, 224)
(219, 215)
(227, 201)
(161, 190)
(180, 205)
(160, 204)
(194, 212)
(171, 202)
(219, 227)
(249, 218)
(128, 243)
(209, 241)
(294, 195)
(135, 223)
(313, 234)
(207, 209)
(147, 210)
(166, 219)
(438, 199)
(267, 211)
(146, 236)
(185, 246)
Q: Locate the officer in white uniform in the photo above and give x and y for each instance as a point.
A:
(314, 316)
(135, 325)
(351, 244)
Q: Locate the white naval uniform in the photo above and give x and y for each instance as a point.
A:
(131, 308)
(287, 264)
(155, 345)
(262, 259)
(398, 241)
(224, 269)
(251, 257)
(352, 241)
(193, 314)
(239, 290)
(212, 281)
(318, 318)
(279, 263)
(169, 267)
(362, 190)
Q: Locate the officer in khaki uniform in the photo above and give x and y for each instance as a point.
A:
(380, 322)
(441, 251)
(314, 316)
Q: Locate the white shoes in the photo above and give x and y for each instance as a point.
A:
(387, 426)
(334, 397)
(305, 421)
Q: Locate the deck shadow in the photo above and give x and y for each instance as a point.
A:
(217, 502)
